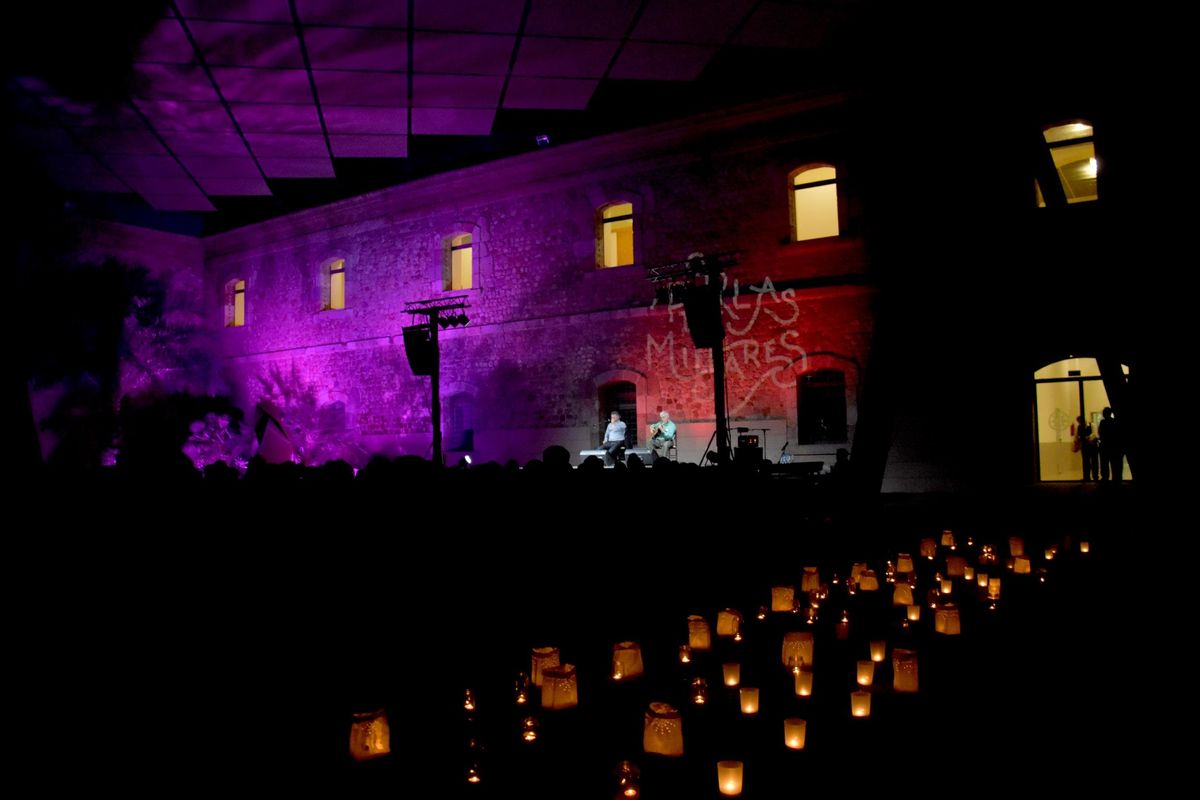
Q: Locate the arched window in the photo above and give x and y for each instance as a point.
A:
(1074, 155)
(814, 202)
(457, 263)
(615, 248)
(333, 285)
(821, 406)
(235, 303)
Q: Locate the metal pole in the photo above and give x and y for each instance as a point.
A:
(435, 406)
(718, 352)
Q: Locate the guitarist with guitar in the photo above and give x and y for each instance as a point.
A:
(662, 434)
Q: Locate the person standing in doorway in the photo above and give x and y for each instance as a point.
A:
(1088, 447)
(1112, 451)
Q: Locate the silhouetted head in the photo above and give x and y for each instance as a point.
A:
(556, 457)
(1107, 412)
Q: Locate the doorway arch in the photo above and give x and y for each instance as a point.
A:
(1063, 391)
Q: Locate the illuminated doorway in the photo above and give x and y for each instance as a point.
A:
(1064, 391)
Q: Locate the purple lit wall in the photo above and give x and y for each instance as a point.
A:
(548, 328)
(176, 353)
(178, 262)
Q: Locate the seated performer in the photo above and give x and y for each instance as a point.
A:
(614, 437)
(662, 434)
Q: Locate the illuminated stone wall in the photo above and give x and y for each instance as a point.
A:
(547, 327)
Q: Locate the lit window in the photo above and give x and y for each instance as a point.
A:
(616, 235)
(235, 303)
(334, 286)
(457, 269)
(814, 203)
(1074, 155)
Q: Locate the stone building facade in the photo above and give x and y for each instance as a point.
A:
(556, 339)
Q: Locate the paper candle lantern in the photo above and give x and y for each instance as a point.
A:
(729, 777)
(794, 731)
(732, 674)
(902, 594)
(699, 691)
(663, 733)
(860, 704)
(867, 581)
(783, 598)
(866, 672)
(699, 635)
(904, 670)
(1022, 565)
(904, 563)
(811, 580)
(797, 649)
(928, 548)
(948, 539)
(1085, 547)
(1051, 552)
(981, 580)
(1016, 546)
(626, 660)
(946, 620)
(685, 654)
(878, 650)
(749, 698)
(804, 682)
(955, 566)
(947, 586)
(729, 622)
(968, 573)
(914, 613)
(370, 736)
(543, 658)
(559, 687)
(993, 588)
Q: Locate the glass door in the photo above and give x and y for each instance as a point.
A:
(1058, 404)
